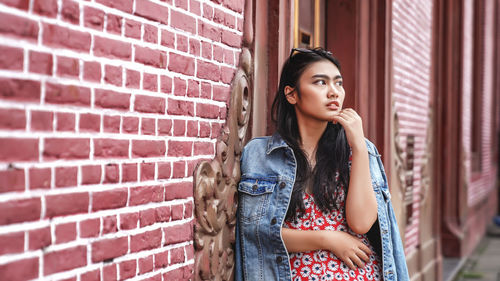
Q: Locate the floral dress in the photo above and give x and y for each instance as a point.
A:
(323, 264)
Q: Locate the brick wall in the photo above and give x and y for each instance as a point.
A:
(411, 50)
(106, 106)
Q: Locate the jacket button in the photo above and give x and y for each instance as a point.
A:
(255, 187)
(279, 259)
(282, 185)
(273, 221)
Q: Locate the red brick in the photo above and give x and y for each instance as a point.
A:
(235, 5)
(178, 190)
(42, 120)
(177, 212)
(66, 204)
(181, 64)
(45, 7)
(12, 119)
(216, 127)
(109, 248)
(167, 39)
(133, 29)
(145, 241)
(12, 149)
(166, 84)
(194, 46)
(193, 89)
(12, 243)
(112, 173)
(11, 58)
(179, 127)
(59, 36)
(90, 122)
(64, 259)
(92, 71)
(114, 23)
(203, 148)
(20, 4)
(68, 67)
(208, 11)
(183, 21)
(112, 99)
(227, 74)
(67, 94)
(207, 110)
(150, 34)
(164, 126)
(155, 58)
(111, 124)
(208, 70)
(109, 225)
(145, 194)
(66, 176)
(70, 11)
(123, 5)
(221, 93)
(176, 256)
(228, 57)
(206, 50)
(148, 126)
(204, 129)
(147, 171)
(179, 148)
(65, 232)
(145, 264)
(91, 174)
(148, 148)
(40, 62)
(65, 121)
(188, 210)
(93, 18)
(110, 148)
(90, 228)
(129, 221)
(150, 82)
(109, 273)
(112, 48)
(218, 53)
(180, 107)
(164, 170)
(130, 125)
(133, 79)
(40, 178)
(195, 7)
(162, 214)
(111, 199)
(179, 170)
(127, 269)
(180, 87)
(147, 217)
(182, 42)
(192, 129)
(129, 172)
(19, 270)
(219, 16)
(39, 238)
(178, 233)
(16, 26)
(94, 275)
(66, 148)
(206, 90)
(181, 4)
(113, 75)
(152, 11)
(209, 31)
(149, 104)
(17, 89)
(230, 21)
(161, 260)
(240, 24)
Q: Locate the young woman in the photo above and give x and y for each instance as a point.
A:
(313, 198)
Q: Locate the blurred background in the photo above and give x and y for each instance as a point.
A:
(107, 107)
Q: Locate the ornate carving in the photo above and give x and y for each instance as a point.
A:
(215, 181)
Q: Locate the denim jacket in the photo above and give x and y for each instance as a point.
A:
(268, 169)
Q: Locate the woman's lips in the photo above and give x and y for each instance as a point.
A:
(334, 105)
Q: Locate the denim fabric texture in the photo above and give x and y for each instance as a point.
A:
(268, 169)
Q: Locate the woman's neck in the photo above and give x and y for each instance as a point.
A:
(310, 134)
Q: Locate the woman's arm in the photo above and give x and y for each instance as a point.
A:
(345, 246)
(361, 204)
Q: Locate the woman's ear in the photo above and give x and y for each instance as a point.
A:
(290, 94)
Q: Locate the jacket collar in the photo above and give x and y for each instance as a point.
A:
(274, 142)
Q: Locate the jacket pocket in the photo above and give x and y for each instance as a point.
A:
(254, 198)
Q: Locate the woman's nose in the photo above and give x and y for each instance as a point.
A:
(333, 91)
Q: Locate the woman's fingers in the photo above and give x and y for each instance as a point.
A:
(357, 261)
(350, 263)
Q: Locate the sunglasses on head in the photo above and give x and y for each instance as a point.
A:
(318, 51)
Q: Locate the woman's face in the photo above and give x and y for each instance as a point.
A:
(321, 93)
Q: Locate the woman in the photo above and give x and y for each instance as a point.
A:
(313, 198)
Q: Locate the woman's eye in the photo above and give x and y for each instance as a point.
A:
(320, 82)
(339, 83)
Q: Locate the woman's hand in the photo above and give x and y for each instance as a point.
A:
(353, 126)
(347, 247)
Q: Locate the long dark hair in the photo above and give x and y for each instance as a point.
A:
(332, 155)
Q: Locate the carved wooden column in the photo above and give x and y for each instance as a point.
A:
(215, 181)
